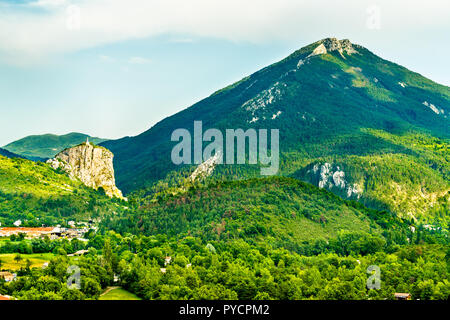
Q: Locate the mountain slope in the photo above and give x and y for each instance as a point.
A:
(39, 147)
(6, 153)
(334, 102)
(277, 210)
(36, 194)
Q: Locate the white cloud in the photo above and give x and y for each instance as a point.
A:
(28, 35)
(138, 60)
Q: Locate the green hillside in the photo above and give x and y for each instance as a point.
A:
(350, 109)
(36, 194)
(412, 177)
(281, 211)
(46, 146)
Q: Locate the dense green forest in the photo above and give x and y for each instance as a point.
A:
(234, 269)
(281, 211)
(271, 238)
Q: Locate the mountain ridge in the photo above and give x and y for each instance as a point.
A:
(9, 154)
(329, 106)
(44, 146)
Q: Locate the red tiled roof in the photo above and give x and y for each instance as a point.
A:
(27, 229)
(4, 298)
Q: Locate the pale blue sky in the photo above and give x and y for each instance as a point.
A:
(128, 64)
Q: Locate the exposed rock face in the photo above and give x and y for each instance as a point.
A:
(333, 44)
(328, 45)
(332, 176)
(206, 168)
(321, 49)
(433, 108)
(93, 165)
(257, 106)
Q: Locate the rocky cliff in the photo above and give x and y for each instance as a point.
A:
(93, 165)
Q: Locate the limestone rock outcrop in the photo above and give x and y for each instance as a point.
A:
(92, 165)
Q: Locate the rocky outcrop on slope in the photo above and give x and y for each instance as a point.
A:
(331, 176)
(92, 165)
(206, 168)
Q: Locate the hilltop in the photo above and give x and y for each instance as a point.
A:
(41, 147)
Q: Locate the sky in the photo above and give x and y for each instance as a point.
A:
(114, 68)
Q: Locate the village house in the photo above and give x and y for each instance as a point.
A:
(402, 296)
(5, 298)
(51, 232)
(7, 276)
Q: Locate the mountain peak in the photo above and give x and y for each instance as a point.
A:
(333, 44)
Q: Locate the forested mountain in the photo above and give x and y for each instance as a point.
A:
(39, 147)
(272, 238)
(363, 127)
(364, 181)
(8, 154)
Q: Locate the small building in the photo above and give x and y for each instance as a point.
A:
(402, 296)
(4, 298)
(167, 260)
(7, 276)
